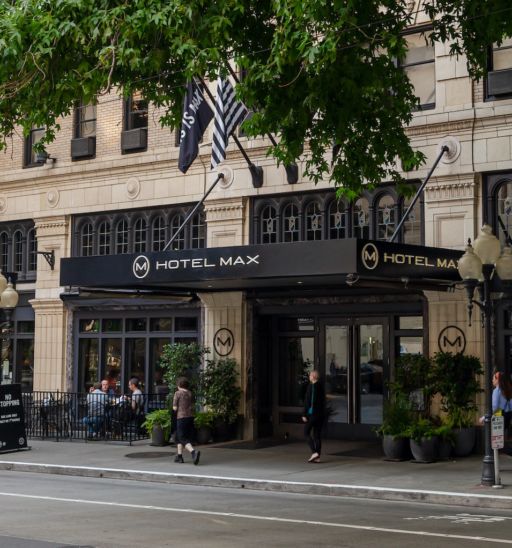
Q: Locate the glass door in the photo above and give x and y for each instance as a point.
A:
(354, 365)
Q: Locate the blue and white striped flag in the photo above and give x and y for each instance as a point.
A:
(229, 113)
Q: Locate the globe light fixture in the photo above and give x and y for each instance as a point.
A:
(8, 301)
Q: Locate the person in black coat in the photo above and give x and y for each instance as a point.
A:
(314, 415)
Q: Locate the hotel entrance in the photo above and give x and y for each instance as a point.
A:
(355, 356)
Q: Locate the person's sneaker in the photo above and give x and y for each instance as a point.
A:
(195, 456)
(178, 458)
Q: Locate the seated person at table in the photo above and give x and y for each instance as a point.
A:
(96, 404)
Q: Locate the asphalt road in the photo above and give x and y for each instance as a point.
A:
(44, 511)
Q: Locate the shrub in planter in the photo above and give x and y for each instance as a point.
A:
(181, 360)
(158, 426)
(424, 440)
(220, 392)
(458, 384)
(446, 440)
(204, 422)
(396, 421)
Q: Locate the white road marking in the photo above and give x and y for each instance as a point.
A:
(252, 517)
(464, 519)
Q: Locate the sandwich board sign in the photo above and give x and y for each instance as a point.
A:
(12, 419)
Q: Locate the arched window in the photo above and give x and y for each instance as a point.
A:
(32, 250)
(18, 251)
(412, 225)
(179, 242)
(122, 236)
(268, 225)
(386, 217)
(86, 246)
(337, 227)
(4, 251)
(314, 221)
(504, 212)
(140, 235)
(291, 223)
(198, 227)
(158, 233)
(104, 238)
(361, 219)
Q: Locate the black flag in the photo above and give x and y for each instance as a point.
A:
(197, 114)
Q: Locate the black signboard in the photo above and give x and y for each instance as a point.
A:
(323, 262)
(12, 419)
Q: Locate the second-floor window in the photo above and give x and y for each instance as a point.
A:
(85, 121)
(419, 64)
(136, 112)
(34, 136)
(501, 56)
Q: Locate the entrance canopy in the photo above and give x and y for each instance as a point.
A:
(314, 263)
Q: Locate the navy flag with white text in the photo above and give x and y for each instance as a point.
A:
(197, 114)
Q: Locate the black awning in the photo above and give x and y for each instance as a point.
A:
(313, 263)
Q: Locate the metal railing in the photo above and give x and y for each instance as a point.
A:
(93, 416)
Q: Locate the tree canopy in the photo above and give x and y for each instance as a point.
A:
(318, 74)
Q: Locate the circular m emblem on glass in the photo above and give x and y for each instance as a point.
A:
(140, 266)
(370, 256)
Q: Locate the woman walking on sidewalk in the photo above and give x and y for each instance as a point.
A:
(314, 414)
(183, 406)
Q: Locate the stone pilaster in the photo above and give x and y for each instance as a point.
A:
(226, 223)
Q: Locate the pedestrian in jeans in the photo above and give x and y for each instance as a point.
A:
(182, 404)
(314, 414)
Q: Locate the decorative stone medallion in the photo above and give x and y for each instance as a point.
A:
(132, 188)
(53, 197)
(227, 180)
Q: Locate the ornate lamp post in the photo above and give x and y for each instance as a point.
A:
(476, 268)
(8, 301)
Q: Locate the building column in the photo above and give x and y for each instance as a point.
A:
(51, 316)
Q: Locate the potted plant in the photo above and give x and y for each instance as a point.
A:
(424, 439)
(158, 426)
(203, 422)
(458, 384)
(396, 421)
(221, 394)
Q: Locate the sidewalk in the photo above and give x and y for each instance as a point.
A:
(347, 469)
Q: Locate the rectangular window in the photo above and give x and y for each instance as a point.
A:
(419, 65)
(30, 157)
(136, 112)
(85, 121)
(501, 58)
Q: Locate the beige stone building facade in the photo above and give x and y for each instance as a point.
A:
(127, 197)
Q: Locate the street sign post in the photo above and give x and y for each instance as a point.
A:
(497, 442)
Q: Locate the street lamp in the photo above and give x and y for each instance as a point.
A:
(8, 301)
(476, 268)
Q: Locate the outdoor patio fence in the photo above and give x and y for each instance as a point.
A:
(80, 416)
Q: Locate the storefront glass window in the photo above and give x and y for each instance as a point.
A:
(198, 227)
(86, 240)
(111, 362)
(413, 223)
(410, 322)
(161, 324)
(25, 326)
(158, 233)
(296, 361)
(186, 324)
(32, 250)
(18, 251)
(158, 384)
(410, 345)
(4, 251)
(88, 363)
(89, 326)
(136, 361)
(140, 236)
(104, 238)
(296, 324)
(136, 324)
(25, 363)
(112, 325)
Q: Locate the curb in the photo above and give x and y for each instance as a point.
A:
(329, 489)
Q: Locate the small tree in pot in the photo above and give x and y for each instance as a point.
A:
(158, 426)
(458, 384)
(204, 422)
(181, 360)
(221, 394)
(394, 429)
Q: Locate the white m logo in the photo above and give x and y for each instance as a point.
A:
(370, 256)
(140, 266)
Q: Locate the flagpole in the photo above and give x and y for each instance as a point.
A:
(256, 171)
(196, 207)
(292, 170)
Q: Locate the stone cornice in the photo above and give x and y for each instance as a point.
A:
(55, 306)
(445, 189)
(222, 211)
